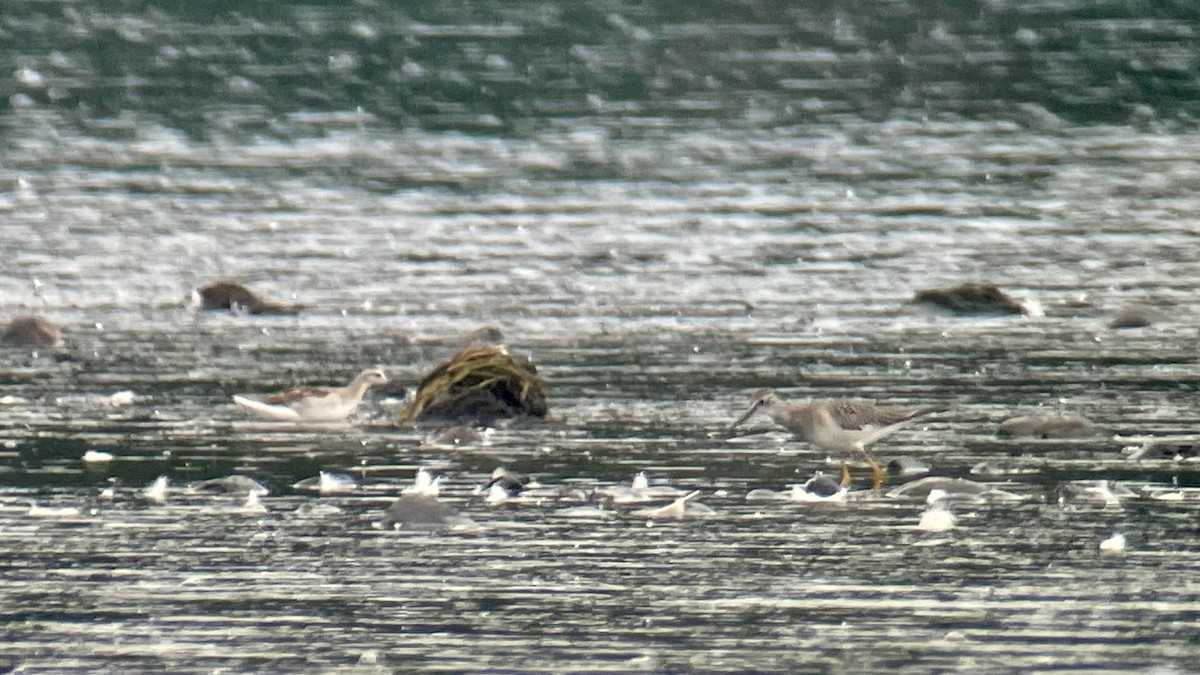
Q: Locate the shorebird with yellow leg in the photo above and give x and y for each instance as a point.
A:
(844, 428)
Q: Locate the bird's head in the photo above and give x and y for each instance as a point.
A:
(763, 400)
(372, 377)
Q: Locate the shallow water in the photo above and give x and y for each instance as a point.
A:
(667, 209)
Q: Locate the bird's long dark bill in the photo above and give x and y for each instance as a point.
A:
(748, 414)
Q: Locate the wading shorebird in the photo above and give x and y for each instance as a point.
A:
(313, 404)
(844, 428)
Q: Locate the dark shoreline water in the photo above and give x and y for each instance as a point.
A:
(667, 207)
(490, 68)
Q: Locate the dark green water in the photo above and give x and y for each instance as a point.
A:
(667, 207)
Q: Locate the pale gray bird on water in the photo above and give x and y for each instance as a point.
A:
(313, 404)
(841, 427)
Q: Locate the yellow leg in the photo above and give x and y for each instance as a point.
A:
(876, 474)
(845, 476)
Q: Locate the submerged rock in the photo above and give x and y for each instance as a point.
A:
(1135, 315)
(993, 469)
(422, 512)
(232, 296)
(510, 483)
(1046, 426)
(971, 299)
(638, 492)
(327, 483)
(906, 466)
(823, 486)
(1168, 449)
(951, 490)
(819, 488)
(479, 384)
(1092, 493)
(232, 485)
(31, 331)
(456, 436)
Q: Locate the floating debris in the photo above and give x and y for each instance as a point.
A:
(1046, 426)
(1113, 545)
(959, 490)
(459, 435)
(683, 507)
(906, 466)
(31, 331)
(1135, 315)
(479, 384)
(1160, 493)
(765, 495)
(423, 512)
(232, 296)
(326, 483)
(230, 485)
(504, 486)
(497, 495)
(506, 480)
(424, 483)
(938, 517)
(157, 492)
(1164, 448)
(819, 488)
(584, 512)
(971, 299)
(36, 511)
(638, 492)
(253, 506)
(122, 399)
(97, 457)
(997, 469)
(1105, 494)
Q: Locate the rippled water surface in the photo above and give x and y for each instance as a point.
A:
(666, 207)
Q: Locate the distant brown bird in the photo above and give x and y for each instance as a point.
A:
(842, 427)
(31, 331)
(237, 298)
(971, 299)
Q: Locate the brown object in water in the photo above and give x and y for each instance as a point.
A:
(236, 298)
(482, 382)
(31, 331)
(971, 299)
(422, 512)
(1135, 315)
(1046, 426)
